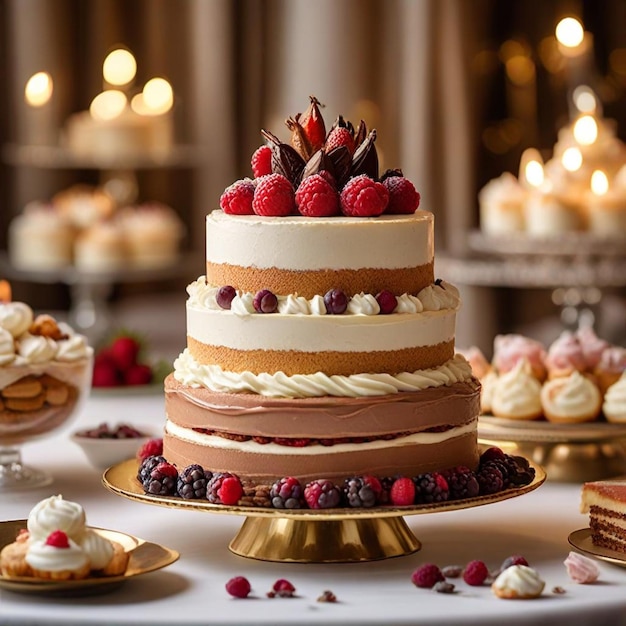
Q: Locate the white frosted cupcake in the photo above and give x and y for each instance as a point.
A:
(571, 400)
(516, 394)
(614, 405)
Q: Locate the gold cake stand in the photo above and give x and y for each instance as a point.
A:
(568, 452)
(313, 536)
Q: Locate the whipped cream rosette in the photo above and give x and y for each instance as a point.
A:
(614, 405)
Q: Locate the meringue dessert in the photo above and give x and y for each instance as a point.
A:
(518, 582)
(571, 400)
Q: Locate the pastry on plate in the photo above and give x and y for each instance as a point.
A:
(518, 582)
(614, 405)
(571, 400)
(517, 394)
(509, 350)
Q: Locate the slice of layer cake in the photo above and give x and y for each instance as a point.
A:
(605, 501)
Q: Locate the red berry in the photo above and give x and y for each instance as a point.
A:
(402, 492)
(106, 374)
(124, 351)
(265, 301)
(475, 573)
(231, 490)
(374, 484)
(516, 559)
(225, 295)
(339, 136)
(152, 447)
(238, 587)
(166, 469)
(363, 197)
(322, 494)
(426, 576)
(138, 374)
(282, 588)
(386, 301)
(403, 197)
(336, 302)
(273, 196)
(492, 454)
(58, 539)
(261, 161)
(316, 197)
(237, 198)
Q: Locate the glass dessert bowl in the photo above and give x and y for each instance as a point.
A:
(45, 375)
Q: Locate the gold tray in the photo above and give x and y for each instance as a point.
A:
(581, 540)
(144, 557)
(313, 535)
(568, 452)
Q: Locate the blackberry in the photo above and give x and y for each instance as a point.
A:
(162, 480)
(357, 492)
(192, 482)
(504, 470)
(520, 471)
(147, 465)
(462, 483)
(286, 493)
(224, 488)
(385, 484)
(489, 479)
(431, 487)
(322, 494)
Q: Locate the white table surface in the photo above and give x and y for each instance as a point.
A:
(191, 591)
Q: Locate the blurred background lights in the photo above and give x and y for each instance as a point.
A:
(38, 89)
(108, 105)
(569, 32)
(599, 183)
(119, 67)
(158, 96)
(572, 159)
(586, 130)
(584, 99)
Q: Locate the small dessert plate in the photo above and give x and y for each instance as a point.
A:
(144, 557)
(581, 540)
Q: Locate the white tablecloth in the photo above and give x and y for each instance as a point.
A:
(191, 591)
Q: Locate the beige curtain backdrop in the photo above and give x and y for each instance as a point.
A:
(237, 66)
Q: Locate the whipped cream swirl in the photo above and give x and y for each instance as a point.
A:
(519, 581)
(517, 393)
(16, 317)
(41, 556)
(55, 513)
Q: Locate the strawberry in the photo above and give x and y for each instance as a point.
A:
(138, 374)
(124, 351)
(105, 374)
(402, 492)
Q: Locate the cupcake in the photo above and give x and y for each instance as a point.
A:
(610, 367)
(518, 582)
(57, 558)
(501, 203)
(101, 248)
(509, 350)
(614, 405)
(565, 356)
(571, 400)
(517, 394)
(591, 345)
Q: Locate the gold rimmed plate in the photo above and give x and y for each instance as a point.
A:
(581, 540)
(313, 535)
(145, 557)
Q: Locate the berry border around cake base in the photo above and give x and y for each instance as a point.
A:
(314, 535)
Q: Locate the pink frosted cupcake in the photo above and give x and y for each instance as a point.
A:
(508, 350)
(565, 356)
(611, 366)
(592, 346)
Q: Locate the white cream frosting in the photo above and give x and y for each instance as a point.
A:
(363, 304)
(56, 513)
(299, 242)
(36, 348)
(16, 317)
(73, 348)
(251, 446)
(517, 393)
(41, 556)
(487, 386)
(189, 372)
(614, 406)
(439, 297)
(7, 347)
(571, 396)
(98, 549)
(408, 303)
(521, 580)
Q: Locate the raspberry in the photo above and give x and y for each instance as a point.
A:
(124, 352)
(462, 482)
(316, 197)
(162, 480)
(265, 301)
(147, 465)
(363, 197)
(58, 539)
(282, 588)
(224, 488)
(106, 374)
(402, 492)
(336, 302)
(386, 301)
(152, 447)
(224, 296)
(516, 559)
(322, 494)
(475, 573)
(237, 198)
(431, 487)
(489, 479)
(286, 493)
(357, 491)
(238, 587)
(339, 136)
(138, 374)
(261, 161)
(192, 482)
(403, 197)
(273, 196)
(427, 576)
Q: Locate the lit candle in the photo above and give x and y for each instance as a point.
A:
(572, 159)
(586, 130)
(531, 169)
(108, 105)
(576, 46)
(599, 183)
(37, 95)
(119, 67)
(5, 291)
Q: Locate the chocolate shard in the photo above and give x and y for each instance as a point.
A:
(341, 161)
(299, 140)
(360, 134)
(319, 162)
(285, 159)
(365, 159)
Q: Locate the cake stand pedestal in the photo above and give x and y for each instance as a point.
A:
(341, 535)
